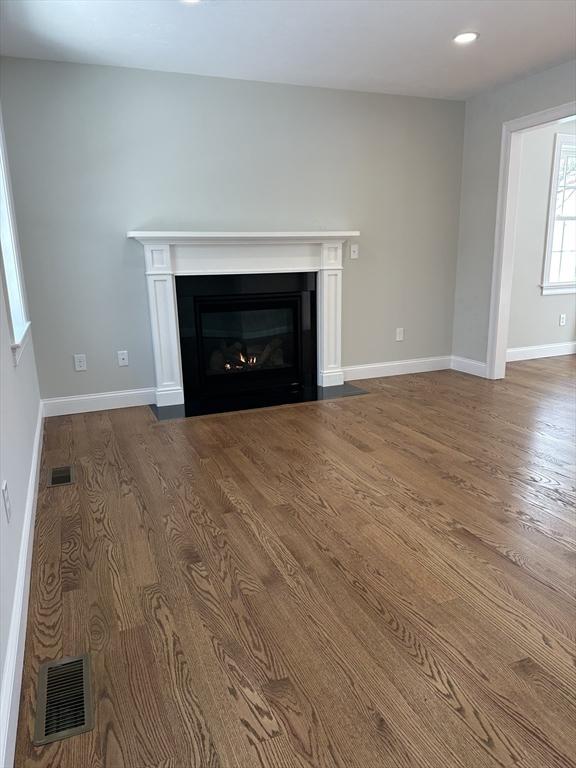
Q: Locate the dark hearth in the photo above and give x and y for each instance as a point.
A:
(247, 340)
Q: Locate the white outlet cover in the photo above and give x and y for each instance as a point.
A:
(399, 334)
(354, 251)
(562, 319)
(122, 357)
(80, 362)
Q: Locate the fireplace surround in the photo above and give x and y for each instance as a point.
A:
(246, 340)
(171, 255)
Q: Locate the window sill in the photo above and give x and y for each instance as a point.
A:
(551, 290)
(19, 346)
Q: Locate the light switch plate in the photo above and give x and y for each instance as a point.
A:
(354, 251)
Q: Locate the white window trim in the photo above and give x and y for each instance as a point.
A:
(548, 288)
(17, 341)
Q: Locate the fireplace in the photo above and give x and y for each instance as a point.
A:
(246, 340)
(295, 330)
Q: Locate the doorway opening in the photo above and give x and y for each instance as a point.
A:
(506, 229)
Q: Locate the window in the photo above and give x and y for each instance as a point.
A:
(9, 250)
(560, 256)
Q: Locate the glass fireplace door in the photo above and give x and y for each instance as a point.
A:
(247, 340)
(250, 342)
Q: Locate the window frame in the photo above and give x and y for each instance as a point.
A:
(18, 335)
(549, 287)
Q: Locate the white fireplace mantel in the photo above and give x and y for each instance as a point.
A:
(224, 253)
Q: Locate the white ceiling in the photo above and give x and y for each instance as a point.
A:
(388, 46)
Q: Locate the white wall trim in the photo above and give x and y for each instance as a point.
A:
(14, 659)
(473, 367)
(18, 349)
(396, 368)
(101, 401)
(549, 286)
(503, 259)
(558, 289)
(541, 350)
(331, 378)
(238, 238)
(16, 301)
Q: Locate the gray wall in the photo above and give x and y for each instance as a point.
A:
(19, 402)
(533, 317)
(485, 115)
(96, 151)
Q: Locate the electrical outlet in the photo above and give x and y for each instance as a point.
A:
(80, 362)
(6, 501)
(122, 357)
(562, 319)
(399, 334)
(354, 251)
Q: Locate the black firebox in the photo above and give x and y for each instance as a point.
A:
(247, 340)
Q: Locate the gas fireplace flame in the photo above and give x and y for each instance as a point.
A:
(237, 356)
(241, 363)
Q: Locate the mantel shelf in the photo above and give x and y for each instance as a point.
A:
(181, 238)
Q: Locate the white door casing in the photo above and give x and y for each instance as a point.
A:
(507, 204)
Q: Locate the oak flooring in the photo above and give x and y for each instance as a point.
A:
(384, 581)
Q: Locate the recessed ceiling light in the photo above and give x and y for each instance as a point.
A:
(190, 2)
(466, 37)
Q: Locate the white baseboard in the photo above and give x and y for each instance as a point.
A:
(396, 368)
(473, 367)
(14, 659)
(541, 350)
(330, 378)
(170, 396)
(102, 401)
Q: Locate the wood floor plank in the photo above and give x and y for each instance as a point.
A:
(384, 581)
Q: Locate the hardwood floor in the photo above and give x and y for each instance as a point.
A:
(372, 582)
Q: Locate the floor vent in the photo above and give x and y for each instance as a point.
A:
(64, 706)
(61, 476)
